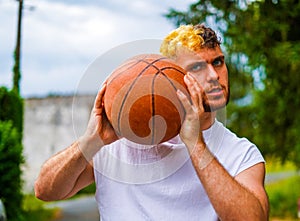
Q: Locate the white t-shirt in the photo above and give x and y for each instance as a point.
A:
(137, 182)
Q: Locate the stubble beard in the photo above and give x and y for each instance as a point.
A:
(211, 108)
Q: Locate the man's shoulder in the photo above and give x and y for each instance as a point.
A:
(237, 153)
(234, 137)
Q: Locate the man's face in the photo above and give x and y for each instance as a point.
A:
(208, 67)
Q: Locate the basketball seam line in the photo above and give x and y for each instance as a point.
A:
(165, 68)
(131, 86)
(153, 108)
(136, 62)
(175, 88)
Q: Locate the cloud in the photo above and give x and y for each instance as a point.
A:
(61, 38)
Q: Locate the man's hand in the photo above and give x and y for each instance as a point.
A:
(70, 170)
(223, 190)
(190, 132)
(99, 131)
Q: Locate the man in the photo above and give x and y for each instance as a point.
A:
(222, 177)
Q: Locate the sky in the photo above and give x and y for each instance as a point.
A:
(61, 39)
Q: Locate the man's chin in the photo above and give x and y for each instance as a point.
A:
(214, 107)
(216, 104)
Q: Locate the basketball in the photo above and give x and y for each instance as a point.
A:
(141, 101)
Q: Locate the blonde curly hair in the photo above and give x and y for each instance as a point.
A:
(189, 36)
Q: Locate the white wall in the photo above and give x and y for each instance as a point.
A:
(50, 125)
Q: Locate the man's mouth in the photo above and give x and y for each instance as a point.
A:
(217, 91)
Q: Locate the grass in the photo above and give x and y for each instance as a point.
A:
(283, 194)
(35, 209)
(274, 165)
(283, 198)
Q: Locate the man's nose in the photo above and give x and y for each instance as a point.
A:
(212, 75)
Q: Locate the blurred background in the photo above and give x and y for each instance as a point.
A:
(46, 47)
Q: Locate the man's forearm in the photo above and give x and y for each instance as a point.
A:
(230, 199)
(60, 173)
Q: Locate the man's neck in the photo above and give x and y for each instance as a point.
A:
(207, 120)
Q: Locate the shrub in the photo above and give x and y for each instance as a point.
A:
(11, 109)
(10, 178)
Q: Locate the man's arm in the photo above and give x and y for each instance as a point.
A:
(253, 178)
(70, 170)
(63, 175)
(239, 198)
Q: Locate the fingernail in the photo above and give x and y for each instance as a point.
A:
(187, 78)
(179, 92)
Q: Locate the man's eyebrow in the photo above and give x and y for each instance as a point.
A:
(221, 57)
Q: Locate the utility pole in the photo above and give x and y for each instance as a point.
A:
(17, 53)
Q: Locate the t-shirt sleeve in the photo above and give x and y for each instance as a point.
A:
(252, 157)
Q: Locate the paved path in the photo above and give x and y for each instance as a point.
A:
(80, 209)
(274, 177)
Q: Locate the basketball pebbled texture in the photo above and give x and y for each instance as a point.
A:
(141, 101)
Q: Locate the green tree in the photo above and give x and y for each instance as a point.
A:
(17, 54)
(262, 40)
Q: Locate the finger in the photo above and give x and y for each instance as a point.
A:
(193, 89)
(199, 91)
(99, 98)
(185, 101)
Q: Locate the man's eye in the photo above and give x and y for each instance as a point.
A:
(198, 67)
(217, 62)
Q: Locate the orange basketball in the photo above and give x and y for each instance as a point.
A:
(141, 101)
